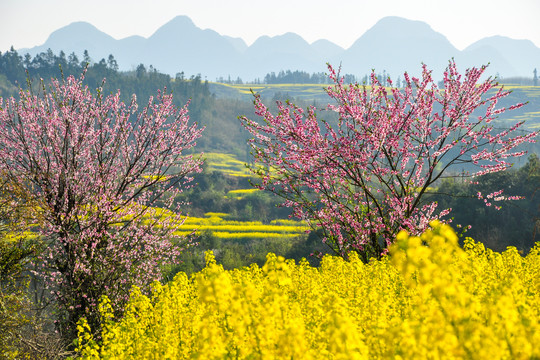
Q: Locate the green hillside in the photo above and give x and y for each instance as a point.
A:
(301, 92)
(315, 93)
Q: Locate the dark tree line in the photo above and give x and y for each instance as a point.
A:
(141, 81)
(517, 223)
(301, 77)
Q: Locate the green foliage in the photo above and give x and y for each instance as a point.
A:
(517, 223)
(14, 303)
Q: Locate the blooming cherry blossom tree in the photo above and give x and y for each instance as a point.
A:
(365, 178)
(96, 167)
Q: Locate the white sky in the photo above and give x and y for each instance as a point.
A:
(27, 23)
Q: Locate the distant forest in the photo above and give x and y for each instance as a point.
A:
(142, 81)
(223, 131)
(517, 224)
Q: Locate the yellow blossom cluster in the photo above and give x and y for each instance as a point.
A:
(428, 299)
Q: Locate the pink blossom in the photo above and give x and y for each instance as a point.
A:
(365, 178)
(96, 166)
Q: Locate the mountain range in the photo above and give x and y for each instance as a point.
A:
(393, 45)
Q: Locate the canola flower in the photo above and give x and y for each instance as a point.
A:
(230, 229)
(228, 164)
(428, 299)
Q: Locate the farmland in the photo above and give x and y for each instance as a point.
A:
(227, 164)
(315, 93)
(303, 92)
(230, 229)
(435, 301)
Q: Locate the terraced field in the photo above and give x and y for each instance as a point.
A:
(316, 93)
(227, 164)
(220, 227)
(305, 92)
(530, 113)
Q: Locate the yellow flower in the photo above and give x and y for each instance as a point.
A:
(429, 298)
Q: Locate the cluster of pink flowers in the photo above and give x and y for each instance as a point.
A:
(364, 178)
(496, 196)
(96, 167)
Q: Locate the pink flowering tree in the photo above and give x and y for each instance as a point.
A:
(365, 177)
(96, 168)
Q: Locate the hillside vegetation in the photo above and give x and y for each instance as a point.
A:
(214, 105)
(217, 107)
(96, 248)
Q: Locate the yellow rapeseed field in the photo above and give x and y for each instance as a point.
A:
(228, 164)
(428, 299)
(230, 229)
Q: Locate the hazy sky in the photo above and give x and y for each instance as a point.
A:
(27, 23)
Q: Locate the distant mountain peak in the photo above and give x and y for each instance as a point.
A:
(79, 25)
(77, 29)
(181, 19)
(327, 49)
(398, 27)
(397, 20)
(178, 24)
(394, 44)
(504, 41)
(75, 37)
(287, 39)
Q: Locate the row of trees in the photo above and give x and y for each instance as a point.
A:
(521, 80)
(142, 81)
(47, 65)
(302, 77)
